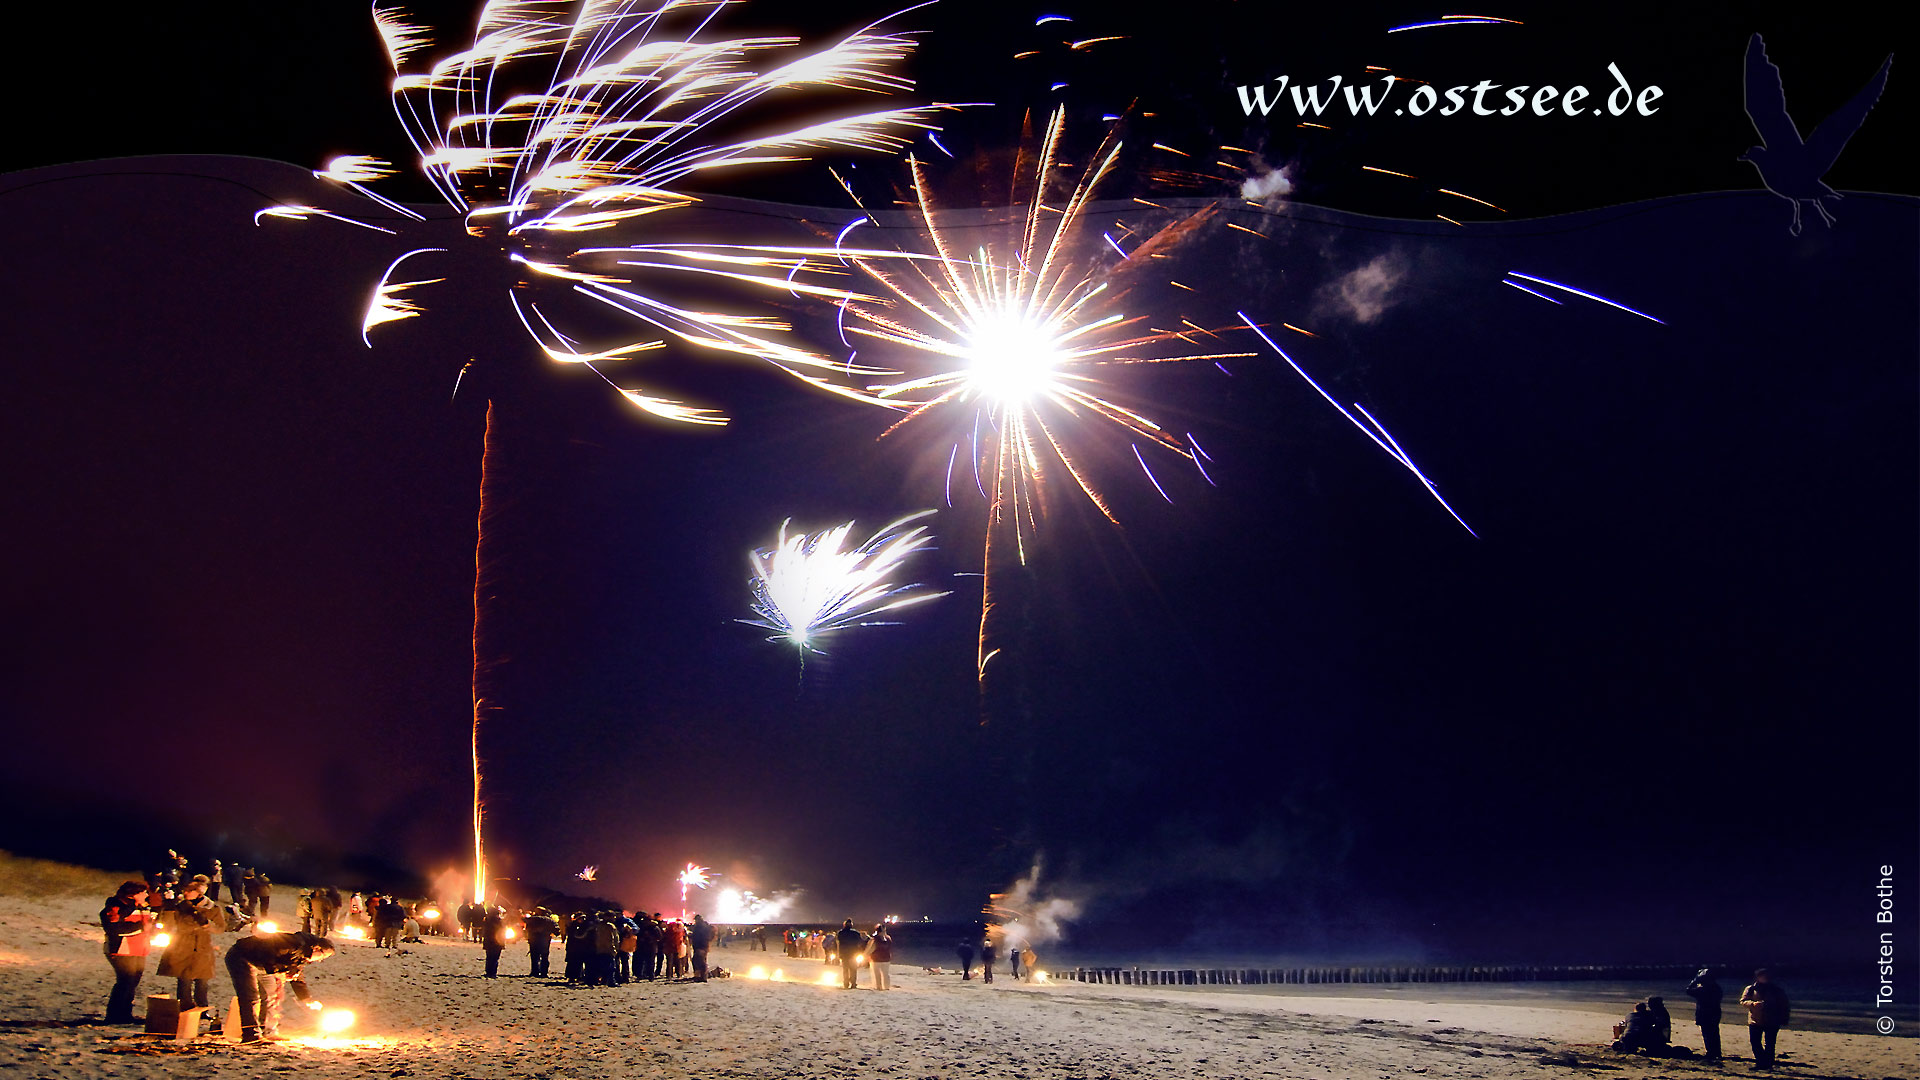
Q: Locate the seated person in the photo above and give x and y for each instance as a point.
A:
(1662, 1022)
(1638, 1035)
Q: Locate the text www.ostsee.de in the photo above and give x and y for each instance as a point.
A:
(1319, 99)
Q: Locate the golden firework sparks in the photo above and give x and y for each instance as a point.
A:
(1020, 343)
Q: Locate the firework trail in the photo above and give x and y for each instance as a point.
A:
(1019, 346)
(808, 586)
(565, 127)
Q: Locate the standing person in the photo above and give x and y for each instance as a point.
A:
(213, 882)
(676, 949)
(965, 951)
(493, 937)
(847, 945)
(540, 930)
(303, 910)
(189, 956)
(262, 887)
(262, 967)
(1706, 994)
(1767, 1013)
(237, 887)
(880, 957)
(391, 921)
(576, 951)
(759, 939)
(629, 942)
(325, 902)
(1013, 957)
(606, 948)
(125, 919)
(700, 936)
(986, 956)
(646, 947)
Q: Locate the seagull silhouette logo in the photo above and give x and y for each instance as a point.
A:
(1790, 166)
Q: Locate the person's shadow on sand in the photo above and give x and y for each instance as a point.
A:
(1790, 166)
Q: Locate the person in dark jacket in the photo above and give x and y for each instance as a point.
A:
(646, 946)
(236, 886)
(986, 957)
(1706, 994)
(1662, 1023)
(388, 922)
(700, 936)
(965, 951)
(576, 953)
(125, 918)
(541, 926)
(263, 966)
(1767, 1012)
(325, 903)
(190, 921)
(1638, 1036)
(493, 938)
(847, 945)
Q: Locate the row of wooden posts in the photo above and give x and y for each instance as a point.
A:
(1308, 975)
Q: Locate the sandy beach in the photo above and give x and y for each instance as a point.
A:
(426, 1011)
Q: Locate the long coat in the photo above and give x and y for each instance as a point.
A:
(189, 954)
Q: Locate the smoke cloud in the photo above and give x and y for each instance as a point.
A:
(1268, 185)
(738, 906)
(1366, 292)
(1037, 915)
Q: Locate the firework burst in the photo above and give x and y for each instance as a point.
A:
(698, 877)
(810, 585)
(1022, 345)
(568, 124)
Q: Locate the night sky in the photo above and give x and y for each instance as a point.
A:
(1661, 707)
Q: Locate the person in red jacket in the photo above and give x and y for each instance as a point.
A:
(125, 918)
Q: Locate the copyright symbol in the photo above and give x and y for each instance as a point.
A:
(1884, 1025)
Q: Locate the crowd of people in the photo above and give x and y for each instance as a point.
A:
(182, 922)
(175, 914)
(1648, 1029)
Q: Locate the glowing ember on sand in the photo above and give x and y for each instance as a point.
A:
(335, 1021)
(266, 927)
